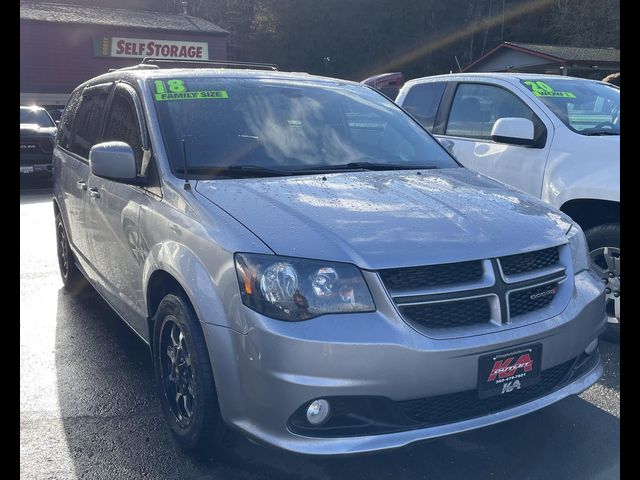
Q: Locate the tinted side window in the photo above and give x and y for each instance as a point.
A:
(476, 108)
(422, 102)
(66, 122)
(87, 123)
(122, 124)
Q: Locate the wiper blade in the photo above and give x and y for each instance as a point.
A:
(365, 166)
(600, 133)
(237, 171)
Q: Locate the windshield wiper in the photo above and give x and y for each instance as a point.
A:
(237, 171)
(364, 166)
(600, 133)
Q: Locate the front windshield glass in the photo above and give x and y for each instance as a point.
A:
(287, 126)
(586, 107)
(35, 116)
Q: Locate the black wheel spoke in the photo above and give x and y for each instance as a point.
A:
(177, 372)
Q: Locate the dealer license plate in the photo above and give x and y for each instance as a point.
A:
(507, 371)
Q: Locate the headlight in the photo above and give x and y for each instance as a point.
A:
(295, 289)
(579, 251)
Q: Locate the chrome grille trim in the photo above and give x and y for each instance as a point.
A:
(559, 281)
(495, 286)
(523, 277)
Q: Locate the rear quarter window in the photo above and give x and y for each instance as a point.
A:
(87, 123)
(66, 121)
(422, 102)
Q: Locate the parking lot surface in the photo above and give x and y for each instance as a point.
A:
(88, 407)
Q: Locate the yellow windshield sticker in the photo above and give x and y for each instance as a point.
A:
(176, 90)
(543, 89)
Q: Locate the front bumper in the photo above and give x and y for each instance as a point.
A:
(40, 170)
(264, 376)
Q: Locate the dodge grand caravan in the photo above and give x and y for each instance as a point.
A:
(310, 267)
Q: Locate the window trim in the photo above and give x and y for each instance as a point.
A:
(539, 143)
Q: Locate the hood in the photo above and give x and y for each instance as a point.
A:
(390, 218)
(31, 128)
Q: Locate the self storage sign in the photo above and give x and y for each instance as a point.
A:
(139, 48)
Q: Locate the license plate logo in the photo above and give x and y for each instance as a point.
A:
(508, 371)
(508, 368)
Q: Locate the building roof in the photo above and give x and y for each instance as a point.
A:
(559, 54)
(78, 14)
(572, 54)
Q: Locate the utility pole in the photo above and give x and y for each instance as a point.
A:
(326, 64)
(502, 28)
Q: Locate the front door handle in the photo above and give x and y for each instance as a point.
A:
(81, 184)
(94, 193)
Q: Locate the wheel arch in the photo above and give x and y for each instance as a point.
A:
(589, 212)
(172, 265)
(160, 284)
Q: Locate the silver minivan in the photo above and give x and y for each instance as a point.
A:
(310, 267)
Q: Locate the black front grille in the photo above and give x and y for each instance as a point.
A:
(531, 299)
(530, 261)
(449, 314)
(431, 275)
(455, 407)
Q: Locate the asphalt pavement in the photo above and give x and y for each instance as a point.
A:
(88, 407)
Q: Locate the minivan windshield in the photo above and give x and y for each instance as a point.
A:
(269, 127)
(35, 116)
(586, 107)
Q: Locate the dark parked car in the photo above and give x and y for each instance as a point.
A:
(387, 83)
(37, 136)
(55, 113)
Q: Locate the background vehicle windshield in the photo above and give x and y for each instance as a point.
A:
(286, 125)
(35, 116)
(585, 107)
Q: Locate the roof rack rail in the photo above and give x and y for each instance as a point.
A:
(221, 63)
(136, 67)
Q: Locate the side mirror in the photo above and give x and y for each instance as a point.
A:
(57, 123)
(517, 131)
(113, 160)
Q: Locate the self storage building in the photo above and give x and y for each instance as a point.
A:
(62, 45)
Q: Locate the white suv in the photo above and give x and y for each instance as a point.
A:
(557, 138)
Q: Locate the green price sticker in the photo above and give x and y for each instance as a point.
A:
(176, 90)
(543, 89)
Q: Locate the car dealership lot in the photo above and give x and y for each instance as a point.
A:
(89, 410)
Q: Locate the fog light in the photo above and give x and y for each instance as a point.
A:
(591, 347)
(318, 411)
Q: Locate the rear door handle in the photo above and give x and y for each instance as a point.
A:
(81, 185)
(94, 193)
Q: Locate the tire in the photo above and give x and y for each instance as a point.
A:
(72, 279)
(604, 253)
(187, 393)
